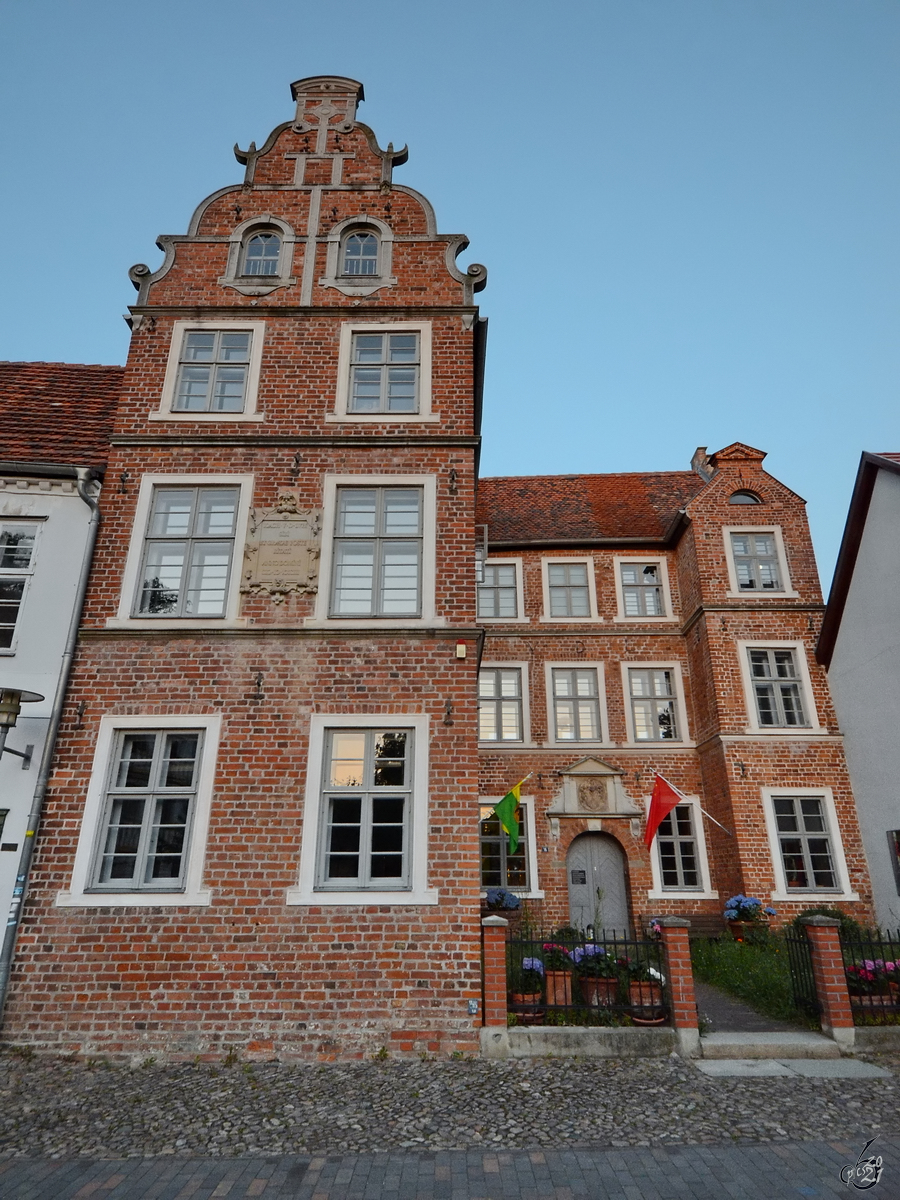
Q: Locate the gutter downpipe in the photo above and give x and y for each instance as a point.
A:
(85, 477)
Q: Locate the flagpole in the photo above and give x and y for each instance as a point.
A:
(700, 806)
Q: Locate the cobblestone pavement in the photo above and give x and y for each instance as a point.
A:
(428, 1129)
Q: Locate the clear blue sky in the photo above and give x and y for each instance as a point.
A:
(688, 208)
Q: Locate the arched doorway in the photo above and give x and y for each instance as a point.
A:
(598, 893)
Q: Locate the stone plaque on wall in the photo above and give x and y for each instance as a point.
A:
(282, 552)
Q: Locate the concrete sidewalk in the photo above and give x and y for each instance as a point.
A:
(773, 1171)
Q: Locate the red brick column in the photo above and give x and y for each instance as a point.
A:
(680, 978)
(831, 982)
(493, 942)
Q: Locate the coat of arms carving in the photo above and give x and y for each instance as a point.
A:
(282, 552)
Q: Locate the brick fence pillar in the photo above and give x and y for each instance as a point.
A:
(493, 942)
(831, 981)
(680, 978)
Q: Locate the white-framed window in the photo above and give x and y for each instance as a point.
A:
(384, 372)
(377, 569)
(757, 563)
(183, 562)
(359, 254)
(18, 544)
(499, 869)
(503, 710)
(378, 551)
(642, 590)
(260, 256)
(213, 372)
(654, 703)
(365, 820)
(570, 592)
(805, 842)
(679, 864)
(777, 688)
(576, 703)
(146, 814)
(500, 594)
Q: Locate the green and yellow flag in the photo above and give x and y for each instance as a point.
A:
(506, 813)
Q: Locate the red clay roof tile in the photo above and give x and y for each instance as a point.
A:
(532, 508)
(57, 412)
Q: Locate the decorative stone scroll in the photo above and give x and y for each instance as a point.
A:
(282, 552)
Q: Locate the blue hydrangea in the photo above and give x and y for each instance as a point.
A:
(533, 964)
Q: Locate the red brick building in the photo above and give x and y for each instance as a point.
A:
(263, 828)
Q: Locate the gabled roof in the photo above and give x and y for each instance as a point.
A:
(57, 412)
(564, 509)
(869, 466)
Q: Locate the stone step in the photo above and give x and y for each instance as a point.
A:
(799, 1044)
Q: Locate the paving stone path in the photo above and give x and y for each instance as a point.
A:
(646, 1129)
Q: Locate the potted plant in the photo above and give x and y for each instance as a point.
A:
(873, 977)
(557, 974)
(746, 917)
(598, 975)
(644, 989)
(526, 981)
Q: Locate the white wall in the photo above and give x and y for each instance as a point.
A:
(35, 661)
(865, 684)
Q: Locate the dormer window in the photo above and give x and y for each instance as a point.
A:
(261, 254)
(360, 255)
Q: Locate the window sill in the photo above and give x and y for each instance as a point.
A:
(571, 620)
(177, 623)
(788, 897)
(763, 595)
(374, 623)
(686, 745)
(659, 894)
(503, 620)
(510, 745)
(206, 416)
(579, 745)
(298, 896)
(618, 620)
(134, 899)
(784, 731)
(383, 418)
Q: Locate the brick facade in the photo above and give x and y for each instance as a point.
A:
(257, 953)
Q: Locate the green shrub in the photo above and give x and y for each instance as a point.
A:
(849, 927)
(756, 972)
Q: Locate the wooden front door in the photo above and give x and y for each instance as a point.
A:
(598, 894)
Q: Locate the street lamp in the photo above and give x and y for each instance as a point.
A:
(11, 701)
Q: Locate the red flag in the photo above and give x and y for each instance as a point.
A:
(663, 800)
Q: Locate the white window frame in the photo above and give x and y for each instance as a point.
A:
(93, 828)
(259, 285)
(685, 741)
(25, 574)
(131, 574)
(581, 665)
(331, 485)
(804, 679)
(526, 803)
(256, 329)
(522, 668)
(781, 891)
(706, 891)
(734, 592)
(648, 560)
(358, 285)
(567, 560)
(342, 400)
(418, 893)
(521, 619)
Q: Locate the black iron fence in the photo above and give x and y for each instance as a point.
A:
(803, 983)
(568, 978)
(872, 969)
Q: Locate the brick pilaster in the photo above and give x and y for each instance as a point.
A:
(493, 934)
(830, 979)
(680, 980)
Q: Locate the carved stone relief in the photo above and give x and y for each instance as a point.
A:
(591, 788)
(282, 551)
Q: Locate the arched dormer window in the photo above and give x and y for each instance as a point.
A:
(360, 254)
(261, 254)
(744, 497)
